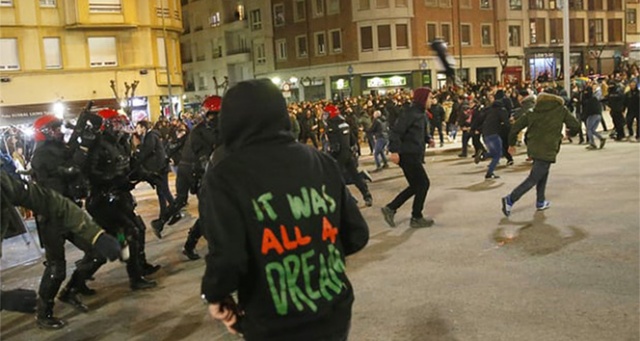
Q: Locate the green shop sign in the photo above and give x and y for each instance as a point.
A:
(340, 84)
(426, 79)
(381, 82)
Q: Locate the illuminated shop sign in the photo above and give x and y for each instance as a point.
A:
(380, 82)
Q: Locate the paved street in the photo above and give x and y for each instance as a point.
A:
(568, 273)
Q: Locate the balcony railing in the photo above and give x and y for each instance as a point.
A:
(162, 11)
(238, 51)
(104, 8)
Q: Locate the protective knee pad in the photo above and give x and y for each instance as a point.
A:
(88, 265)
(54, 273)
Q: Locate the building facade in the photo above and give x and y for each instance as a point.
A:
(66, 52)
(632, 54)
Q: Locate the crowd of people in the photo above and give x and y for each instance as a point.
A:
(294, 161)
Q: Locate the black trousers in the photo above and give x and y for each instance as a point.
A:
(505, 146)
(618, 123)
(418, 180)
(477, 145)
(466, 135)
(351, 176)
(184, 180)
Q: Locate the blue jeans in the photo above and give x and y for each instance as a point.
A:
(165, 198)
(538, 177)
(494, 144)
(592, 124)
(378, 151)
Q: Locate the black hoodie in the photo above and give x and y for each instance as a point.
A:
(279, 222)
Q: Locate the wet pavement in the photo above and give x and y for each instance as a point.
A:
(568, 273)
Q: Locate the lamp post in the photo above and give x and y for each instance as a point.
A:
(166, 59)
(566, 52)
(504, 60)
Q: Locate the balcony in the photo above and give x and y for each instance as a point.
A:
(238, 56)
(96, 14)
(237, 25)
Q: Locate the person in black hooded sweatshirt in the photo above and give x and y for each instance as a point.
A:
(279, 222)
(407, 139)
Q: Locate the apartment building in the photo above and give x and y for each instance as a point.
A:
(224, 42)
(63, 53)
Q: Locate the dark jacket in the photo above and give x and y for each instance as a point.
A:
(204, 138)
(151, 154)
(437, 114)
(409, 134)
(544, 127)
(632, 102)
(339, 135)
(272, 209)
(47, 203)
(494, 120)
(50, 161)
(591, 106)
(380, 128)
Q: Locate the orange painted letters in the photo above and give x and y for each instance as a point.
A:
(328, 231)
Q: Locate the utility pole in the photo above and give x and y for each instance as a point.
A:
(566, 51)
(166, 58)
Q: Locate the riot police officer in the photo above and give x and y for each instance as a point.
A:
(54, 168)
(339, 134)
(195, 155)
(110, 201)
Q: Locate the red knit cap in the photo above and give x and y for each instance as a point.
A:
(332, 110)
(420, 96)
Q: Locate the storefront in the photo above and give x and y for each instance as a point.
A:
(512, 74)
(341, 87)
(313, 88)
(486, 74)
(27, 114)
(384, 84)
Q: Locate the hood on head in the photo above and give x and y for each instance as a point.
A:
(420, 96)
(253, 112)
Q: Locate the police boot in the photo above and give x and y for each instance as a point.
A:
(44, 316)
(147, 268)
(69, 295)
(189, 246)
(157, 225)
(84, 290)
(134, 270)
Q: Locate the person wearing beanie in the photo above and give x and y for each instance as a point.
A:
(269, 204)
(406, 147)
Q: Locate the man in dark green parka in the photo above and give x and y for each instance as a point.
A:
(544, 135)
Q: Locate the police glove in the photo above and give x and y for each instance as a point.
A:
(20, 300)
(108, 247)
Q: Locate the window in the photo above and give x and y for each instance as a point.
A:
(382, 3)
(552, 4)
(536, 4)
(555, 31)
(281, 47)
(214, 20)
(318, 8)
(401, 3)
(363, 5)
(596, 31)
(336, 41)
(9, 54)
(576, 4)
(333, 6)
(384, 37)
(431, 3)
(366, 34)
(445, 32)
(52, 57)
(160, 49)
(102, 6)
(261, 57)
(47, 3)
(199, 51)
(102, 51)
(576, 30)
(514, 36)
(6, 3)
(278, 15)
(485, 4)
(321, 43)
(162, 7)
(486, 35)
(515, 5)
(465, 31)
(202, 81)
(614, 5)
(299, 11)
(185, 23)
(595, 5)
(431, 32)
(614, 28)
(216, 49)
(256, 20)
(537, 31)
(185, 52)
(301, 46)
(445, 3)
(402, 36)
(631, 16)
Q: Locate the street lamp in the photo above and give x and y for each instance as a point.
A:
(58, 109)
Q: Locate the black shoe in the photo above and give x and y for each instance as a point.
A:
(388, 215)
(176, 218)
(84, 290)
(70, 296)
(49, 322)
(491, 176)
(602, 142)
(157, 226)
(142, 284)
(368, 201)
(148, 269)
(421, 222)
(510, 163)
(191, 254)
(476, 158)
(462, 155)
(386, 165)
